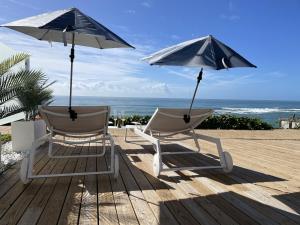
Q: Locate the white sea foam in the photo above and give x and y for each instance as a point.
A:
(226, 110)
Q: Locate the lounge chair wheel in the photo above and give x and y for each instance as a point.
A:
(24, 171)
(156, 165)
(228, 162)
(116, 169)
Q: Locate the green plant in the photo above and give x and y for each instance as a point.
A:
(10, 83)
(234, 122)
(215, 122)
(5, 138)
(34, 92)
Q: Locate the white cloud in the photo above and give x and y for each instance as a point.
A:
(108, 72)
(231, 13)
(146, 4)
(230, 6)
(124, 86)
(175, 36)
(120, 72)
(190, 73)
(231, 17)
(130, 11)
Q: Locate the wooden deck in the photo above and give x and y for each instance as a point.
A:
(262, 189)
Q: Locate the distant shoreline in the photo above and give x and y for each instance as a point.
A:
(162, 98)
(269, 111)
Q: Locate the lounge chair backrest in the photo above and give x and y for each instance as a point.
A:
(167, 120)
(90, 119)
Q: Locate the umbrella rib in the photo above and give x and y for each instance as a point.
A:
(98, 42)
(47, 31)
(213, 52)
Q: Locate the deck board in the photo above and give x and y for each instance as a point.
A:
(264, 187)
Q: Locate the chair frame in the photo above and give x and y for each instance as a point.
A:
(26, 171)
(156, 137)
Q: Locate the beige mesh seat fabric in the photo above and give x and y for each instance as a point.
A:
(165, 123)
(168, 120)
(91, 126)
(91, 119)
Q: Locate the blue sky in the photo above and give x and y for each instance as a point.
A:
(265, 32)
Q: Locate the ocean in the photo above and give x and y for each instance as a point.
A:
(268, 110)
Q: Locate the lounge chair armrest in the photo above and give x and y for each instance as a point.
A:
(207, 138)
(151, 139)
(136, 123)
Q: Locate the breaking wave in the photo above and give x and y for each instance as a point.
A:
(227, 110)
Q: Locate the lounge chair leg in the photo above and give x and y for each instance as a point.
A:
(114, 159)
(103, 145)
(225, 158)
(196, 140)
(50, 148)
(228, 162)
(27, 164)
(125, 138)
(116, 166)
(157, 164)
(157, 160)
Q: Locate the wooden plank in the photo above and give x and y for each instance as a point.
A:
(10, 177)
(198, 207)
(125, 211)
(69, 213)
(265, 168)
(261, 167)
(5, 175)
(249, 195)
(88, 210)
(37, 206)
(16, 190)
(180, 213)
(257, 208)
(17, 209)
(138, 201)
(107, 212)
(159, 209)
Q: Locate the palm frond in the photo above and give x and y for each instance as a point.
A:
(29, 87)
(34, 92)
(6, 111)
(7, 64)
(12, 82)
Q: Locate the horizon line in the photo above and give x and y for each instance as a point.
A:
(186, 98)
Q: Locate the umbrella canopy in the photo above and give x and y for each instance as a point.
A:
(201, 52)
(69, 26)
(59, 26)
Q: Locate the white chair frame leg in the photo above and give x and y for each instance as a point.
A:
(26, 171)
(225, 158)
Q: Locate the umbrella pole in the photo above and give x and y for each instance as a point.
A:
(73, 114)
(187, 117)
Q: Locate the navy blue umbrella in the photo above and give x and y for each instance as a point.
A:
(201, 52)
(69, 26)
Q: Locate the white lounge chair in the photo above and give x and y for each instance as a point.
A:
(91, 124)
(167, 122)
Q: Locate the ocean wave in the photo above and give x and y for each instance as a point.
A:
(227, 110)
